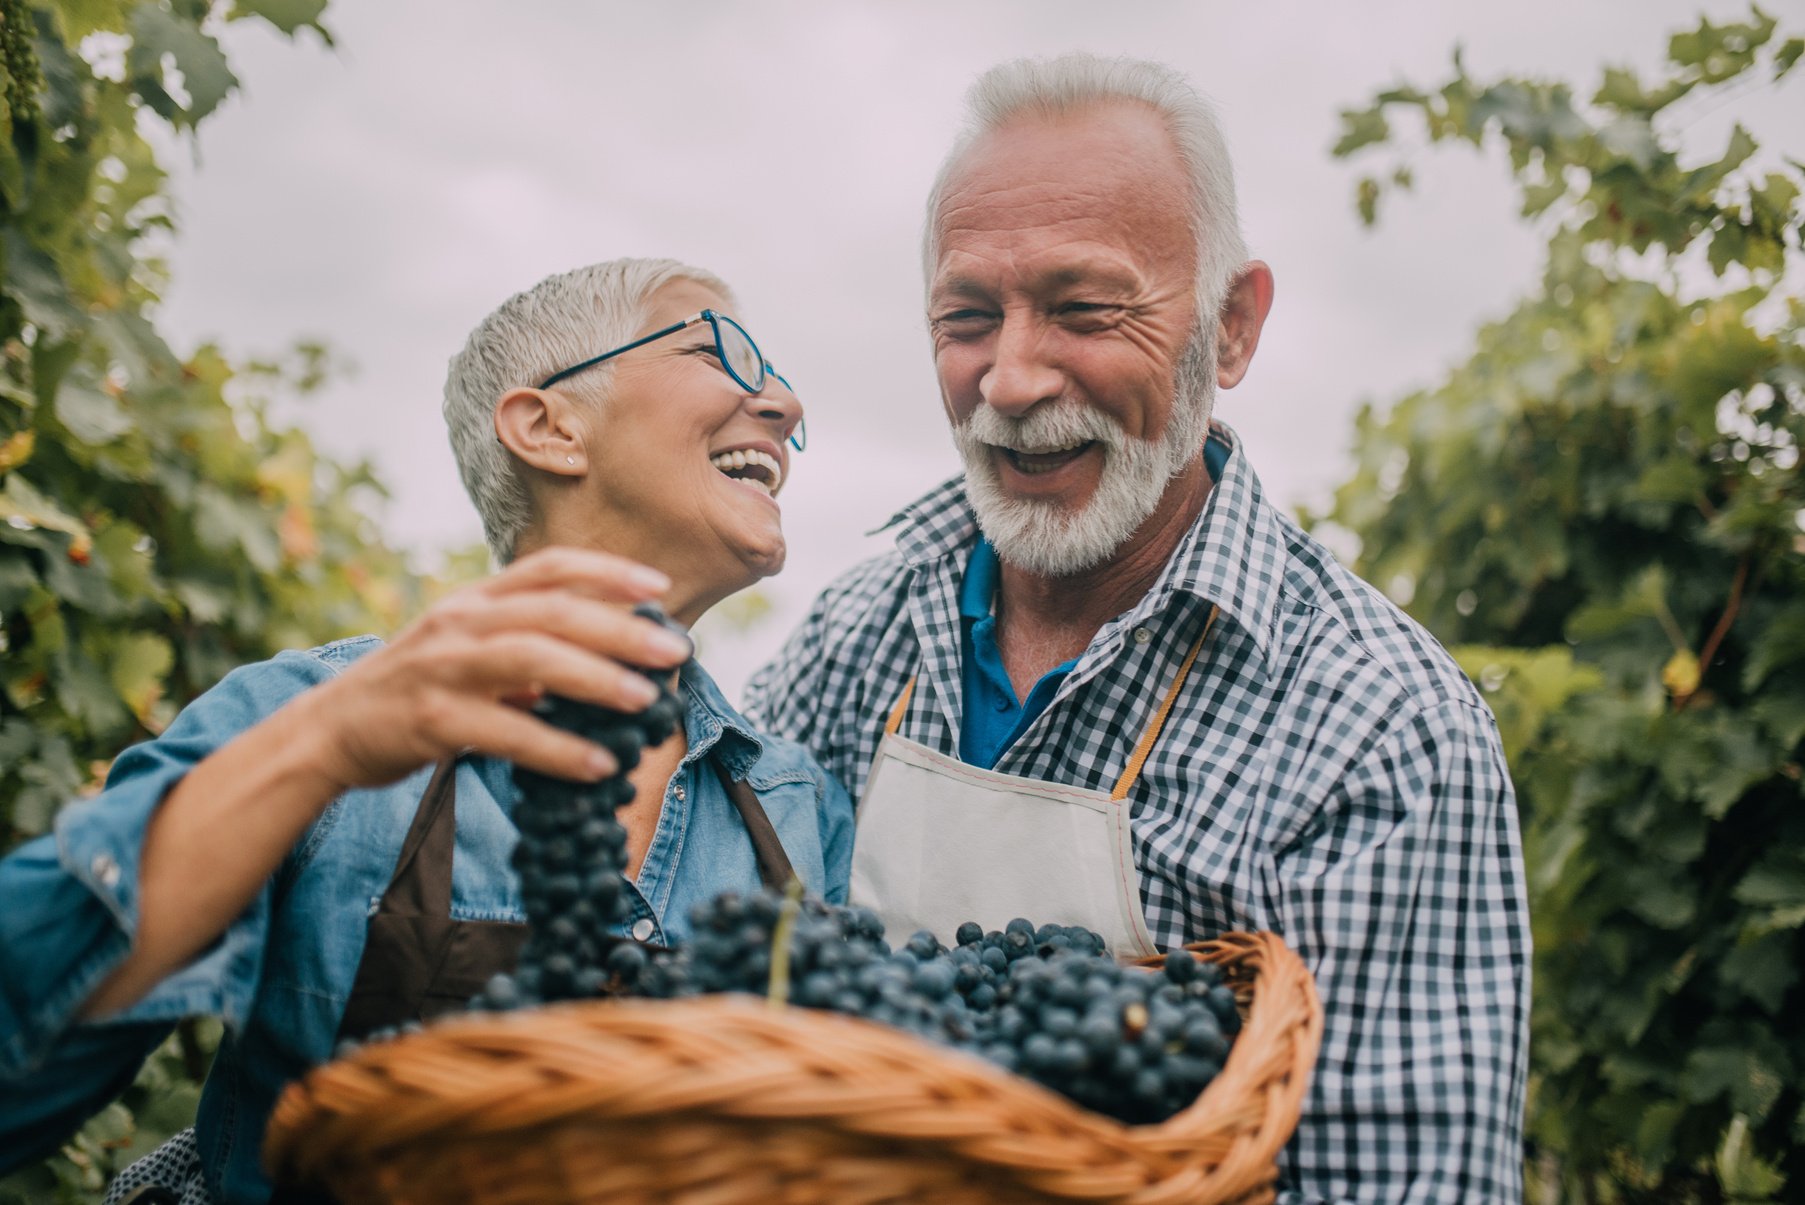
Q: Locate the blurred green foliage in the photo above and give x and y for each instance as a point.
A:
(156, 529)
(1602, 511)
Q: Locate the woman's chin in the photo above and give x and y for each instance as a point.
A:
(766, 560)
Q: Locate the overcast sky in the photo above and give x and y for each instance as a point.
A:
(384, 195)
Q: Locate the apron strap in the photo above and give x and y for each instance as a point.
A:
(1144, 746)
(894, 723)
(428, 847)
(774, 869)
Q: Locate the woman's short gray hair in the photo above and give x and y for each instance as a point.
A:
(1079, 81)
(562, 320)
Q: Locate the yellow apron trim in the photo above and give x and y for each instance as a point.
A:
(1143, 748)
(896, 712)
(1126, 783)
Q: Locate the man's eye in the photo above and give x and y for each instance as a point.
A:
(963, 316)
(1084, 307)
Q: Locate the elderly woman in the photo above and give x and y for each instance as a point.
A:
(318, 846)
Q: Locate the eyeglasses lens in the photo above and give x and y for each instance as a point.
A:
(741, 356)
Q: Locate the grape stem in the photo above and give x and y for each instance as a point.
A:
(778, 994)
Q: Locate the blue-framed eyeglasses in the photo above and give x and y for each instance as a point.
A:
(734, 349)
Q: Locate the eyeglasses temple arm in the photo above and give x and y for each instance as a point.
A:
(672, 329)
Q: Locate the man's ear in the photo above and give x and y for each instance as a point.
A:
(543, 430)
(1243, 314)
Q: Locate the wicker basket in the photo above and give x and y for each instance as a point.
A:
(723, 1100)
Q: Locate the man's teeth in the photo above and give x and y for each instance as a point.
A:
(1071, 447)
(752, 467)
(1036, 460)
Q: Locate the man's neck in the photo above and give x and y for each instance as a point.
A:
(1045, 621)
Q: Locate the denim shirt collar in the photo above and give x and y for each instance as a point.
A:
(710, 720)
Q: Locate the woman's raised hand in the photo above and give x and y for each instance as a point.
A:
(462, 675)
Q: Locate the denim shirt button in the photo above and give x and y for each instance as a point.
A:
(105, 870)
(678, 792)
(642, 929)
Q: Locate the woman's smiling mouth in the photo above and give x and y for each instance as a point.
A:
(752, 467)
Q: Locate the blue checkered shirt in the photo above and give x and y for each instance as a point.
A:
(1328, 773)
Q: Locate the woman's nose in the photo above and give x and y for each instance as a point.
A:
(777, 403)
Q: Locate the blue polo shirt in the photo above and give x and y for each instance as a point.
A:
(994, 717)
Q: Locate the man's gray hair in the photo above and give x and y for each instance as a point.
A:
(1074, 83)
(562, 320)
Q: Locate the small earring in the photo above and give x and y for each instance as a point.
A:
(570, 460)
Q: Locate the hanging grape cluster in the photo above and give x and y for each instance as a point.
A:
(1047, 1002)
(572, 855)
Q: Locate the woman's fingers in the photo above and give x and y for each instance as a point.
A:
(510, 662)
(601, 628)
(553, 623)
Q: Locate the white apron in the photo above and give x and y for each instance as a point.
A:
(941, 842)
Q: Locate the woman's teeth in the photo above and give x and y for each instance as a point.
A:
(751, 466)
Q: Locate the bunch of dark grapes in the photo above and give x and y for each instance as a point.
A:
(572, 855)
(1048, 1003)
(1134, 1045)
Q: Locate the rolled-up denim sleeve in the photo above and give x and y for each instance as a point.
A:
(836, 837)
(69, 913)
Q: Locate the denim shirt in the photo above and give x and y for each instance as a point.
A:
(280, 975)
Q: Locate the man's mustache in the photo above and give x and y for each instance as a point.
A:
(1050, 425)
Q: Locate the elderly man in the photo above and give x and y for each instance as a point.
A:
(1102, 681)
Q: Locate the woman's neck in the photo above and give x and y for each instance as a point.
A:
(688, 599)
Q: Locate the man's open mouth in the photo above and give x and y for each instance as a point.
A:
(751, 466)
(1045, 460)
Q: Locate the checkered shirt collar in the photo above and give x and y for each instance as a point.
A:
(1232, 557)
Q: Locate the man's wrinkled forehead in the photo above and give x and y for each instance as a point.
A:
(970, 268)
(1107, 182)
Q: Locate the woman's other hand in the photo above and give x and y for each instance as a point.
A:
(463, 675)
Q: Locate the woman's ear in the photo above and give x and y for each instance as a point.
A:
(543, 430)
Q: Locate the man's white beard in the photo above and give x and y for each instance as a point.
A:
(1048, 539)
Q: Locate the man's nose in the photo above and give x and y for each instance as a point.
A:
(1020, 375)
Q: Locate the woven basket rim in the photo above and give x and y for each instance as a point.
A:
(382, 1100)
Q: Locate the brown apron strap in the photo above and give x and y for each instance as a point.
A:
(420, 887)
(774, 869)
(417, 962)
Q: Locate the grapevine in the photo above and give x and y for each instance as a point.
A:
(19, 55)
